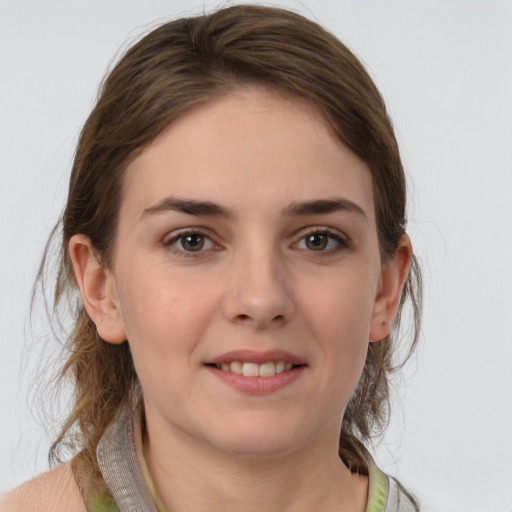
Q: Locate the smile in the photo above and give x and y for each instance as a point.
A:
(250, 369)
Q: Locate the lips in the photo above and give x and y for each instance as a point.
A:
(253, 384)
(256, 364)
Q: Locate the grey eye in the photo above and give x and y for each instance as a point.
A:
(192, 243)
(316, 241)
(322, 240)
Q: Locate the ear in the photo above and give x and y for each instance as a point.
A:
(392, 280)
(97, 287)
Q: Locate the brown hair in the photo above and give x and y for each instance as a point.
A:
(180, 65)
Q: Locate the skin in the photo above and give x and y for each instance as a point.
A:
(269, 276)
(54, 490)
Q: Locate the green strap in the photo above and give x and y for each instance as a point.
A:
(101, 503)
(378, 491)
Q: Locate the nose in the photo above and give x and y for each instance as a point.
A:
(259, 291)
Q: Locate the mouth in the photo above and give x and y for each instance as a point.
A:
(257, 372)
(252, 369)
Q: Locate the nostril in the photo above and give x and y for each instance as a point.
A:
(246, 318)
(243, 318)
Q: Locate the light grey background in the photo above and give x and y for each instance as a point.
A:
(445, 69)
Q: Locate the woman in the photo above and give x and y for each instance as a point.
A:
(235, 226)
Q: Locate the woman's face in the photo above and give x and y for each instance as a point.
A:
(247, 276)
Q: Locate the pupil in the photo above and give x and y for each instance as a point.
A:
(316, 242)
(193, 242)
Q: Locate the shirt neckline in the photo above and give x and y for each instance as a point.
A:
(378, 485)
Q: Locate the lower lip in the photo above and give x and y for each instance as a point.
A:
(258, 385)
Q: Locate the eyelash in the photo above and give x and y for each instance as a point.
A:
(170, 242)
(341, 241)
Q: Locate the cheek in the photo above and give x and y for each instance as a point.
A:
(339, 318)
(342, 310)
(153, 302)
(165, 316)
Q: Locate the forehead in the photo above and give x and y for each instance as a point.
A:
(249, 144)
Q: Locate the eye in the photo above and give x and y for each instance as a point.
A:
(190, 242)
(322, 241)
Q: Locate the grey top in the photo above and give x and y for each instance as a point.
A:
(398, 501)
(123, 468)
(119, 464)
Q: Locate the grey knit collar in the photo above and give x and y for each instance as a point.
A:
(120, 467)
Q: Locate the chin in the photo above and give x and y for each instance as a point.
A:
(259, 442)
(263, 449)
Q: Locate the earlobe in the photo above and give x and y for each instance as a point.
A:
(392, 280)
(98, 291)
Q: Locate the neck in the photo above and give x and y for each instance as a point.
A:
(190, 476)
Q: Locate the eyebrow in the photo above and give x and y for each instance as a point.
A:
(211, 209)
(189, 206)
(324, 206)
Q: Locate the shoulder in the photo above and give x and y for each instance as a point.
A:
(54, 490)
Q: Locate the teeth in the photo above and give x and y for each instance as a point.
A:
(237, 367)
(250, 369)
(268, 369)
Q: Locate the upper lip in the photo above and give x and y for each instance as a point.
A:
(252, 356)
